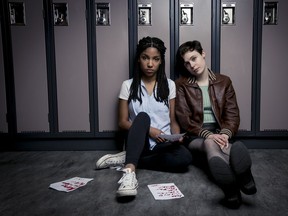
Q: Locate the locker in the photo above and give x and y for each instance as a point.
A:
(112, 51)
(236, 53)
(88, 58)
(159, 25)
(29, 60)
(274, 106)
(71, 65)
(3, 107)
(200, 26)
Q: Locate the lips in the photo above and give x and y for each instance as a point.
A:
(150, 71)
(195, 70)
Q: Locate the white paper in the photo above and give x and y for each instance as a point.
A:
(70, 184)
(172, 137)
(165, 191)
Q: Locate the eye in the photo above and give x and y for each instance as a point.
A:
(186, 64)
(193, 59)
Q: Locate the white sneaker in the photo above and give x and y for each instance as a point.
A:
(111, 160)
(128, 184)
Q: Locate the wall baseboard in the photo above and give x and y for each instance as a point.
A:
(112, 145)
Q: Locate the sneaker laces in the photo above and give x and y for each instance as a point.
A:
(128, 179)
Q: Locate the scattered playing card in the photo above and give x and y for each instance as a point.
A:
(70, 184)
(165, 191)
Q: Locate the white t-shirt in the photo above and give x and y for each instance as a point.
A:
(159, 113)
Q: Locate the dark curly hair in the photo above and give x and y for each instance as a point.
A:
(161, 79)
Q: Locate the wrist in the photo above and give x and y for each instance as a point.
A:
(226, 132)
(205, 133)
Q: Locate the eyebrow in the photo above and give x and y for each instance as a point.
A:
(193, 56)
(157, 56)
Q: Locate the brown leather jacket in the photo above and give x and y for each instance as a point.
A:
(189, 105)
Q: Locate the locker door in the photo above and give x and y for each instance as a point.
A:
(199, 28)
(236, 53)
(3, 107)
(28, 46)
(274, 88)
(112, 60)
(71, 65)
(158, 25)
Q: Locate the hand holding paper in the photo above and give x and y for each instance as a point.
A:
(172, 137)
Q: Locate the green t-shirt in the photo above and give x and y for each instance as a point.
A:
(208, 113)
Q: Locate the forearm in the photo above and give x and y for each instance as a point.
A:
(124, 125)
(175, 128)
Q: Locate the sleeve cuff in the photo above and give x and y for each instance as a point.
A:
(227, 132)
(205, 133)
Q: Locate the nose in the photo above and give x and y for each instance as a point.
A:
(191, 64)
(150, 63)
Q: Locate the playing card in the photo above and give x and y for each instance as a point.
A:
(165, 191)
(70, 184)
(172, 137)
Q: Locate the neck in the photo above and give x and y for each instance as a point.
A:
(149, 83)
(203, 79)
(149, 79)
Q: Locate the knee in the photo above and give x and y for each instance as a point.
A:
(210, 145)
(143, 117)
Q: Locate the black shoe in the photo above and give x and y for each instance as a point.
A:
(232, 200)
(225, 178)
(221, 171)
(240, 162)
(247, 183)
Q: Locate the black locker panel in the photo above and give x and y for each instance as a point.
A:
(274, 75)
(236, 53)
(71, 65)
(112, 47)
(3, 107)
(29, 60)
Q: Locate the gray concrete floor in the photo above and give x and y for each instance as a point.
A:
(26, 176)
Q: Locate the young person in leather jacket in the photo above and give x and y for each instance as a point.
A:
(207, 109)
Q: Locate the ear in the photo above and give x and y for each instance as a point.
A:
(203, 54)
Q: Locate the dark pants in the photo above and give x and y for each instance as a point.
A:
(166, 156)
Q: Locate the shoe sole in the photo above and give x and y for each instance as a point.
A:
(102, 160)
(126, 193)
(239, 158)
(241, 164)
(221, 171)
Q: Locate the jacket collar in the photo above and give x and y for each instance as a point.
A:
(211, 75)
